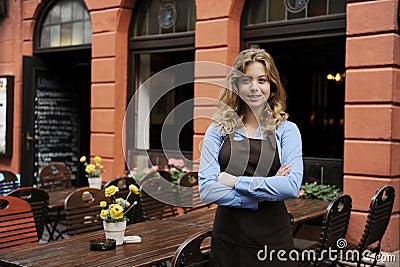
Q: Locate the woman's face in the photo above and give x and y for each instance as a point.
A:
(254, 88)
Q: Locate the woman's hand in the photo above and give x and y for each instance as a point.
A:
(227, 179)
(284, 170)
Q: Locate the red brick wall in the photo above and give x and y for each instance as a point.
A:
(217, 40)
(372, 147)
(11, 46)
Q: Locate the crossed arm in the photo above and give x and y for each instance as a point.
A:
(246, 191)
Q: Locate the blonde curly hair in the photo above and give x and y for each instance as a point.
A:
(230, 111)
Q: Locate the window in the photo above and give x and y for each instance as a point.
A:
(67, 23)
(265, 11)
(163, 17)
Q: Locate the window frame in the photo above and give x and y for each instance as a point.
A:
(38, 27)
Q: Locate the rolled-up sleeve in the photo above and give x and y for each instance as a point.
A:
(211, 191)
(278, 188)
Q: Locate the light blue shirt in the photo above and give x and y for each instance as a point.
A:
(249, 190)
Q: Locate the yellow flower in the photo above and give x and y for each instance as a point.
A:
(83, 159)
(111, 190)
(133, 188)
(127, 204)
(97, 159)
(116, 211)
(104, 213)
(90, 168)
(103, 204)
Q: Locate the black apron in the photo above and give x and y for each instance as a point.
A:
(241, 236)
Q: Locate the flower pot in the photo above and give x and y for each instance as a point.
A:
(115, 231)
(95, 182)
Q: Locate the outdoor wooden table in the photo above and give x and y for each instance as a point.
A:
(305, 209)
(160, 240)
(301, 209)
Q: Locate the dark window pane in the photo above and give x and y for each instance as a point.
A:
(276, 11)
(255, 12)
(192, 16)
(153, 25)
(163, 17)
(181, 17)
(316, 8)
(337, 6)
(299, 15)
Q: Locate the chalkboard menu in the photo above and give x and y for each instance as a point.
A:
(56, 122)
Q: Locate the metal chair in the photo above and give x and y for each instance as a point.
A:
(153, 188)
(54, 176)
(189, 193)
(135, 214)
(82, 209)
(8, 183)
(334, 228)
(17, 225)
(38, 199)
(380, 211)
(190, 252)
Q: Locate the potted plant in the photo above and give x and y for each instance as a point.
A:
(113, 215)
(93, 171)
(319, 191)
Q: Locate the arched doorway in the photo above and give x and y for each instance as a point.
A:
(307, 41)
(161, 36)
(56, 91)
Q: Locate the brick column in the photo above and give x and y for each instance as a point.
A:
(372, 111)
(110, 24)
(217, 40)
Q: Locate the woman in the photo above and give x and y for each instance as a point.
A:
(251, 162)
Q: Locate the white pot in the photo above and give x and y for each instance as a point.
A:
(95, 182)
(115, 231)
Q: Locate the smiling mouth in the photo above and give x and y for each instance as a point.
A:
(254, 96)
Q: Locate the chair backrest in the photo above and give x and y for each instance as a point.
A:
(55, 176)
(334, 227)
(152, 194)
(8, 183)
(17, 225)
(38, 199)
(135, 214)
(82, 209)
(189, 194)
(380, 211)
(190, 252)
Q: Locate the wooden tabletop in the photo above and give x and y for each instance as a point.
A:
(57, 198)
(160, 239)
(301, 210)
(305, 209)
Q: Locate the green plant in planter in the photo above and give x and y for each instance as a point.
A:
(319, 191)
